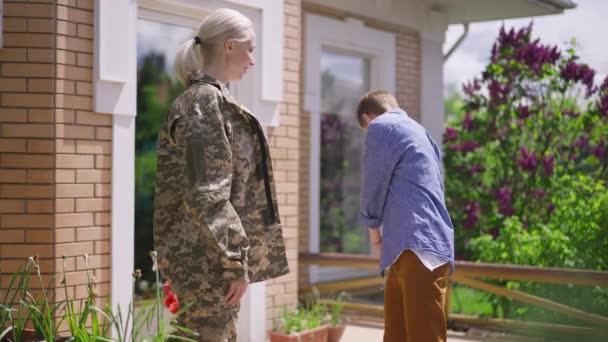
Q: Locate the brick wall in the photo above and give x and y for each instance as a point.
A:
(284, 148)
(407, 93)
(54, 152)
(26, 136)
(408, 72)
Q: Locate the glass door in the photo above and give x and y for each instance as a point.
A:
(157, 88)
(344, 79)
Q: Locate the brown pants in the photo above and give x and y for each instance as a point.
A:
(414, 301)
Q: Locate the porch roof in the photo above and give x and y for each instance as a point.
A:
(419, 14)
(462, 11)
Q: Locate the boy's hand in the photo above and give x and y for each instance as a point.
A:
(377, 249)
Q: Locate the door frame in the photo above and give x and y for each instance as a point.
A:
(114, 82)
(351, 36)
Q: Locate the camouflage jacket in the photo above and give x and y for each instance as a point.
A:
(215, 194)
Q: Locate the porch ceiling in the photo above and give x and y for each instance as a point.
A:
(414, 13)
(461, 11)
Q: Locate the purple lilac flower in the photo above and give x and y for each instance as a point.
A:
(456, 147)
(495, 232)
(451, 134)
(331, 129)
(466, 146)
(504, 201)
(495, 54)
(579, 72)
(599, 150)
(498, 92)
(581, 143)
(471, 88)
(548, 164)
(467, 122)
(539, 193)
(604, 85)
(523, 111)
(469, 146)
(571, 113)
(534, 55)
(527, 161)
(477, 169)
(550, 208)
(471, 211)
(602, 105)
(514, 39)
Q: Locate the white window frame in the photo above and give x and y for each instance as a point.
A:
(354, 37)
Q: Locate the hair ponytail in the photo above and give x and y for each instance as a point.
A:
(188, 61)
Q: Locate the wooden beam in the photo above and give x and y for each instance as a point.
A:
(367, 308)
(530, 299)
(473, 269)
(466, 321)
(344, 285)
(340, 259)
(529, 273)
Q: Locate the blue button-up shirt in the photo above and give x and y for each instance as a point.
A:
(403, 189)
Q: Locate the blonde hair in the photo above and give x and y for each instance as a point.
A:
(221, 25)
(375, 103)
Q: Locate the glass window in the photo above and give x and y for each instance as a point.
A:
(157, 87)
(344, 79)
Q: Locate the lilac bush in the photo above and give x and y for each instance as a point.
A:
(526, 161)
(534, 115)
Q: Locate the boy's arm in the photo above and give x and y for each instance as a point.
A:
(378, 163)
(376, 239)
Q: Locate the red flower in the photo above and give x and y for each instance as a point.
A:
(171, 301)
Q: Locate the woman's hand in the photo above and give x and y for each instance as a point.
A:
(236, 292)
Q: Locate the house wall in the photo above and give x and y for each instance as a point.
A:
(55, 153)
(408, 81)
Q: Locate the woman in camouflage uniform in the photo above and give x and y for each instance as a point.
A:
(216, 220)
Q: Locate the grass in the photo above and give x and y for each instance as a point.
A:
(468, 301)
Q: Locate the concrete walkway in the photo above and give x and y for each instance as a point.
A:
(356, 333)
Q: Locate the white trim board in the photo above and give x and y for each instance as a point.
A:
(351, 36)
(123, 210)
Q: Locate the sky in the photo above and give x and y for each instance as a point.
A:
(587, 23)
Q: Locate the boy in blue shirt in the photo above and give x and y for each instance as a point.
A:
(403, 192)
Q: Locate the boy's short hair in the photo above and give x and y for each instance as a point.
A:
(375, 102)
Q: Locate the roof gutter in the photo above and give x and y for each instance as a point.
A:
(556, 5)
(458, 42)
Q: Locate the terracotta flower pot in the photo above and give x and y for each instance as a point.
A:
(314, 335)
(28, 336)
(335, 333)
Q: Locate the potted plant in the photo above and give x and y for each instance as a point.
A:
(336, 324)
(20, 309)
(302, 325)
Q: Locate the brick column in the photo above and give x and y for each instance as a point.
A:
(284, 148)
(55, 162)
(26, 137)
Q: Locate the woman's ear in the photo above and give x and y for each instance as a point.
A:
(229, 46)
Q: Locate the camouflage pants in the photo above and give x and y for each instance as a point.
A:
(209, 316)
